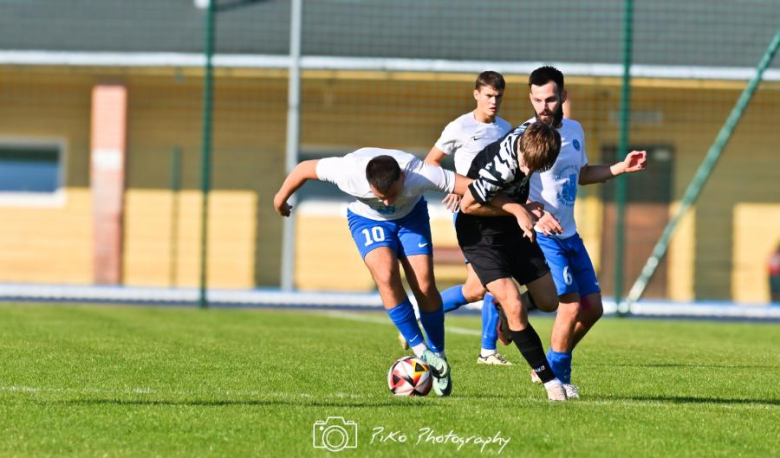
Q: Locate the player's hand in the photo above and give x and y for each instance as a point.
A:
(536, 209)
(635, 161)
(549, 225)
(525, 221)
(281, 206)
(452, 202)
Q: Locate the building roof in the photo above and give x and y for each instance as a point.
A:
(709, 33)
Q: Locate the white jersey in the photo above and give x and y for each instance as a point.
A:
(466, 137)
(349, 174)
(557, 187)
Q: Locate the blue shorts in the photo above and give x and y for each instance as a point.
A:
(407, 236)
(570, 264)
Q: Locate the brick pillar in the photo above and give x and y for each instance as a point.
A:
(109, 139)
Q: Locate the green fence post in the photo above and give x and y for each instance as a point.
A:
(205, 152)
(175, 188)
(622, 151)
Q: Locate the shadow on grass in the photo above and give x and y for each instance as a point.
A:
(239, 402)
(505, 401)
(688, 400)
(693, 365)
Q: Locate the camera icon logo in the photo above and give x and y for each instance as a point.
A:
(334, 434)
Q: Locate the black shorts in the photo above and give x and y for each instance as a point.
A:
(500, 254)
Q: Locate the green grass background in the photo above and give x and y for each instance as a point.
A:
(113, 381)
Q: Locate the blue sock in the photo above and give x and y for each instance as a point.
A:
(489, 323)
(560, 363)
(453, 298)
(433, 323)
(404, 319)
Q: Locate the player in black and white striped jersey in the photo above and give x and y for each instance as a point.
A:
(501, 245)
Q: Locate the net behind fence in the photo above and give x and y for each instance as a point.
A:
(100, 185)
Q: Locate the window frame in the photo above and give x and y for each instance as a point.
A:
(38, 199)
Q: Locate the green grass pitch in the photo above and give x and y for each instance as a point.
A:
(113, 381)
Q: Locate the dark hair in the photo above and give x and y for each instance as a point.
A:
(544, 75)
(492, 79)
(539, 145)
(382, 172)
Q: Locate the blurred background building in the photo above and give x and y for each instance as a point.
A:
(101, 129)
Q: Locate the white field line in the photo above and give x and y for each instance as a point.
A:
(384, 320)
(126, 391)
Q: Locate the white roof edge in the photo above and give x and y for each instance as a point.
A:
(163, 59)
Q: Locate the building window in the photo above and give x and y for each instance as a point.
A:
(30, 171)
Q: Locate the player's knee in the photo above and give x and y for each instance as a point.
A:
(386, 280)
(514, 316)
(473, 293)
(592, 315)
(427, 287)
(570, 311)
(591, 309)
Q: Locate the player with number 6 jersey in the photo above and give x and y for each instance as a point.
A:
(575, 279)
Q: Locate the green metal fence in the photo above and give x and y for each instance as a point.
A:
(659, 75)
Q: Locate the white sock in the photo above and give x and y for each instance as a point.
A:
(441, 354)
(485, 352)
(419, 349)
(552, 382)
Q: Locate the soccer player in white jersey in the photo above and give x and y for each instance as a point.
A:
(464, 138)
(575, 279)
(389, 223)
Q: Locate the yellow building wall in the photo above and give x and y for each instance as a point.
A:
(681, 257)
(51, 243)
(149, 242)
(247, 168)
(48, 244)
(756, 237)
(339, 115)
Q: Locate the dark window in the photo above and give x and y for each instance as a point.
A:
(30, 168)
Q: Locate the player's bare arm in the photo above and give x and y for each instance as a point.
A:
(500, 205)
(461, 185)
(306, 170)
(434, 157)
(635, 161)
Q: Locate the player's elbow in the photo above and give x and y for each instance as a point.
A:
(433, 162)
(469, 208)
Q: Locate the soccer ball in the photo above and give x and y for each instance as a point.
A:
(409, 376)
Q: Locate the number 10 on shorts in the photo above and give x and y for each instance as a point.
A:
(376, 234)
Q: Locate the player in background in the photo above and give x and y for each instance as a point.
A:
(501, 247)
(578, 289)
(389, 223)
(464, 138)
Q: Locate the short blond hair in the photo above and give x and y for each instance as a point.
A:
(539, 145)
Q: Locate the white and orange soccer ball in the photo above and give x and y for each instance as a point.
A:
(409, 376)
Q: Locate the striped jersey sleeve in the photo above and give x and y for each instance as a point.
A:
(496, 167)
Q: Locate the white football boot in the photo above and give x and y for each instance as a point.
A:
(555, 390)
(496, 359)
